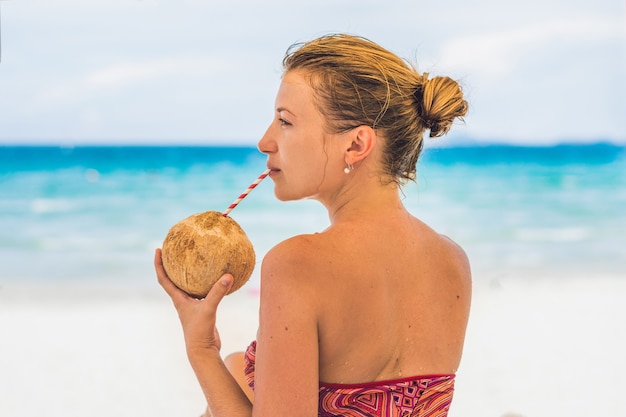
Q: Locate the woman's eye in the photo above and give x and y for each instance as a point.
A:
(283, 122)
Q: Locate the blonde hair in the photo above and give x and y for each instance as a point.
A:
(357, 82)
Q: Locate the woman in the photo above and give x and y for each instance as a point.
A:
(368, 317)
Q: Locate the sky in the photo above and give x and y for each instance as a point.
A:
(206, 71)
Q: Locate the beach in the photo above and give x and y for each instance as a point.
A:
(86, 330)
(544, 348)
(536, 349)
(77, 351)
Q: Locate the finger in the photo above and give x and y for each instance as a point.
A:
(160, 270)
(219, 290)
(172, 290)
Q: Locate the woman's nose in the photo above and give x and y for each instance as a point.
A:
(267, 144)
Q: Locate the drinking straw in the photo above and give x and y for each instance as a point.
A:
(245, 193)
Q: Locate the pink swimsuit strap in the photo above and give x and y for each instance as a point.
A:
(332, 385)
(420, 396)
(417, 396)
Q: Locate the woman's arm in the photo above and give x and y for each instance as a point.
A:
(287, 355)
(287, 351)
(224, 396)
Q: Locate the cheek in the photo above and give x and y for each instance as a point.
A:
(307, 161)
(304, 156)
(305, 176)
(314, 166)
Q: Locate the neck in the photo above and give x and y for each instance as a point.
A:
(363, 195)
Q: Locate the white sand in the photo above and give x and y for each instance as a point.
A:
(68, 351)
(542, 349)
(545, 348)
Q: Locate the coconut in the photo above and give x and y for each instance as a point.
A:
(198, 250)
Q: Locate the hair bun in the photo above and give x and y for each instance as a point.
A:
(442, 102)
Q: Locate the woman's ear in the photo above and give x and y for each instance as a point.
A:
(363, 141)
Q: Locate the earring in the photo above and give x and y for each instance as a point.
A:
(348, 168)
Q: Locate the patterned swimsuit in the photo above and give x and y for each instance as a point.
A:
(420, 396)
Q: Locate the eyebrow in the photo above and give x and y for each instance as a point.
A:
(282, 109)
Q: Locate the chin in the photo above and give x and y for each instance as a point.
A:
(281, 197)
(286, 195)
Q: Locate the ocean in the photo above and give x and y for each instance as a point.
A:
(94, 214)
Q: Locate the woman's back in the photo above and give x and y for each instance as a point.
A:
(393, 299)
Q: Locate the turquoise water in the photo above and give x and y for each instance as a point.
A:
(95, 214)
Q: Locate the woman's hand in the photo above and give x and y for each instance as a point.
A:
(197, 317)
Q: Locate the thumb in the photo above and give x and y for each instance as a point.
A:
(220, 289)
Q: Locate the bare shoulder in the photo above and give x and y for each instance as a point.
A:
(455, 259)
(441, 244)
(292, 266)
(444, 252)
(454, 249)
(296, 253)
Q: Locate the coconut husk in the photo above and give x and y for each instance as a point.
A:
(198, 250)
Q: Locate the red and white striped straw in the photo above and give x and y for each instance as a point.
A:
(245, 193)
